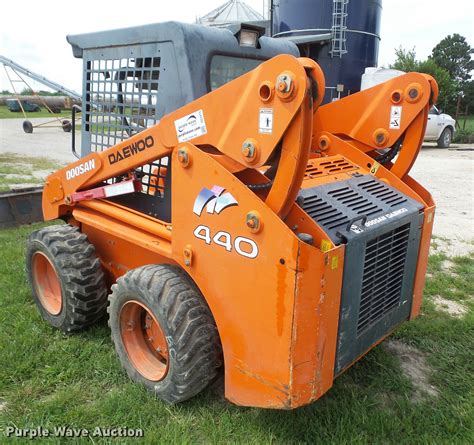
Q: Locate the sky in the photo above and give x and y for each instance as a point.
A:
(33, 33)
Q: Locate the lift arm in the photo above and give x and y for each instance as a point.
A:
(382, 122)
(240, 124)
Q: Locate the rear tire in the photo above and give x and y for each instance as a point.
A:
(164, 332)
(66, 277)
(445, 139)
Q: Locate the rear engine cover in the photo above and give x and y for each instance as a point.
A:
(381, 229)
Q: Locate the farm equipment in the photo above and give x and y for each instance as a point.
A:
(19, 104)
(238, 223)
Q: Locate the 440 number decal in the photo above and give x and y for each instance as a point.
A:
(243, 246)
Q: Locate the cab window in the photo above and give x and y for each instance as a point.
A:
(227, 68)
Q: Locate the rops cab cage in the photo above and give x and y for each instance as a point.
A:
(134, 76)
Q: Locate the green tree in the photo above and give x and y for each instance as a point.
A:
(448, 88)
(453, 54)
(26, 91)
(405, 60)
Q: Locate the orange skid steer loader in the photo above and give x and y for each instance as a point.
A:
(236, 222)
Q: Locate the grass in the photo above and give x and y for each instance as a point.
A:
(469, 126)
(49, 379)
(5, 113)
(15, 170)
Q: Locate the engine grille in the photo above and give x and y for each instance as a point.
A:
(382, 192)
(384, 268)
(324, 213)
(381, 230)
(328, 166)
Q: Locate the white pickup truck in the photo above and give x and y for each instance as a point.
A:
(440, 128)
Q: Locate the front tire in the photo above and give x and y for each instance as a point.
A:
(445, 139)
(27, 127)
(164, 332)
(66, 126)
(66, 277)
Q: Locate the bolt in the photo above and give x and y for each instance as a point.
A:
(183, 157)
(380, 138)
(187, 262)
(413, 93)
(248, 149)
(253, 221)
(284, 83)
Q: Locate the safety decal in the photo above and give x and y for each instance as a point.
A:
(265, 121)
(395, 117)
(374, 168)
(325, 245)
(215, 200)
(191, 126)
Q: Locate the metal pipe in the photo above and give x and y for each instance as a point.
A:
(131, 217)
(321, 30)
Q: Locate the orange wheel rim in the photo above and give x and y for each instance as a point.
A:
(46, 283)
(144, 340)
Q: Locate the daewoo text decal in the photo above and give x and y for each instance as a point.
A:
(131, 150)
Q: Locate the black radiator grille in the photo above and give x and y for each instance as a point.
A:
(355, 201)
(384, 266)
(324, 213)
(385, 194)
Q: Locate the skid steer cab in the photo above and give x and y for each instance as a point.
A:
(229, 223)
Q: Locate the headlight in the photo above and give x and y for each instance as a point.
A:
(248, 38)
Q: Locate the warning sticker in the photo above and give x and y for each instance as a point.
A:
(374, 168)
(191, 126)
(325, 245)
(265, 121)
(395, 117)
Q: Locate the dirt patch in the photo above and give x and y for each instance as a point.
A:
(452, 247)
(447, 266)
(415, 368)
(451, 307)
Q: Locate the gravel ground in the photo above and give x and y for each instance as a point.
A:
(50, 142)
(447, 174)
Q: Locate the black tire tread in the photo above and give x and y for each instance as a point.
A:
(196, 351)
(440, 141)
(79, 270)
